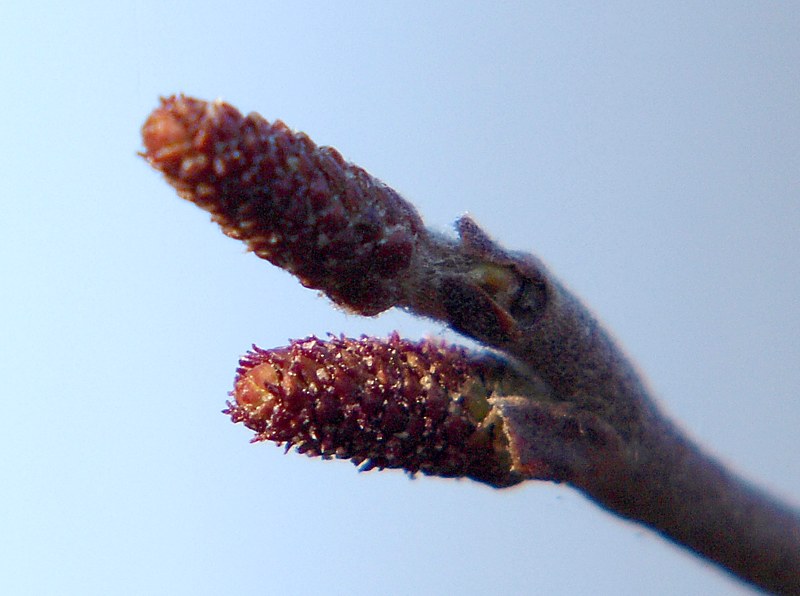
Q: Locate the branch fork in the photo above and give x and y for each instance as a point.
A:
(553, 399)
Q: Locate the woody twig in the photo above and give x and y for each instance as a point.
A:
(554, 399)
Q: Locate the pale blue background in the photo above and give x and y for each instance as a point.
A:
(650, 153)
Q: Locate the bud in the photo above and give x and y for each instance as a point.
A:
(423, 407)
(299, 206)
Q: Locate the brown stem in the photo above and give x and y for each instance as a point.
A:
(690, 498)
(622, 451)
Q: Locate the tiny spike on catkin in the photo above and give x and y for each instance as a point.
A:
(301, 207)
(418, 406)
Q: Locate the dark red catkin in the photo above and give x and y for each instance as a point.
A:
(301, 207)
(419, 406)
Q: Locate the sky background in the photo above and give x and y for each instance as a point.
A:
(648, 152)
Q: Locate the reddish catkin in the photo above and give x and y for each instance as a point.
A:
(422, 407)
(301, 207)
